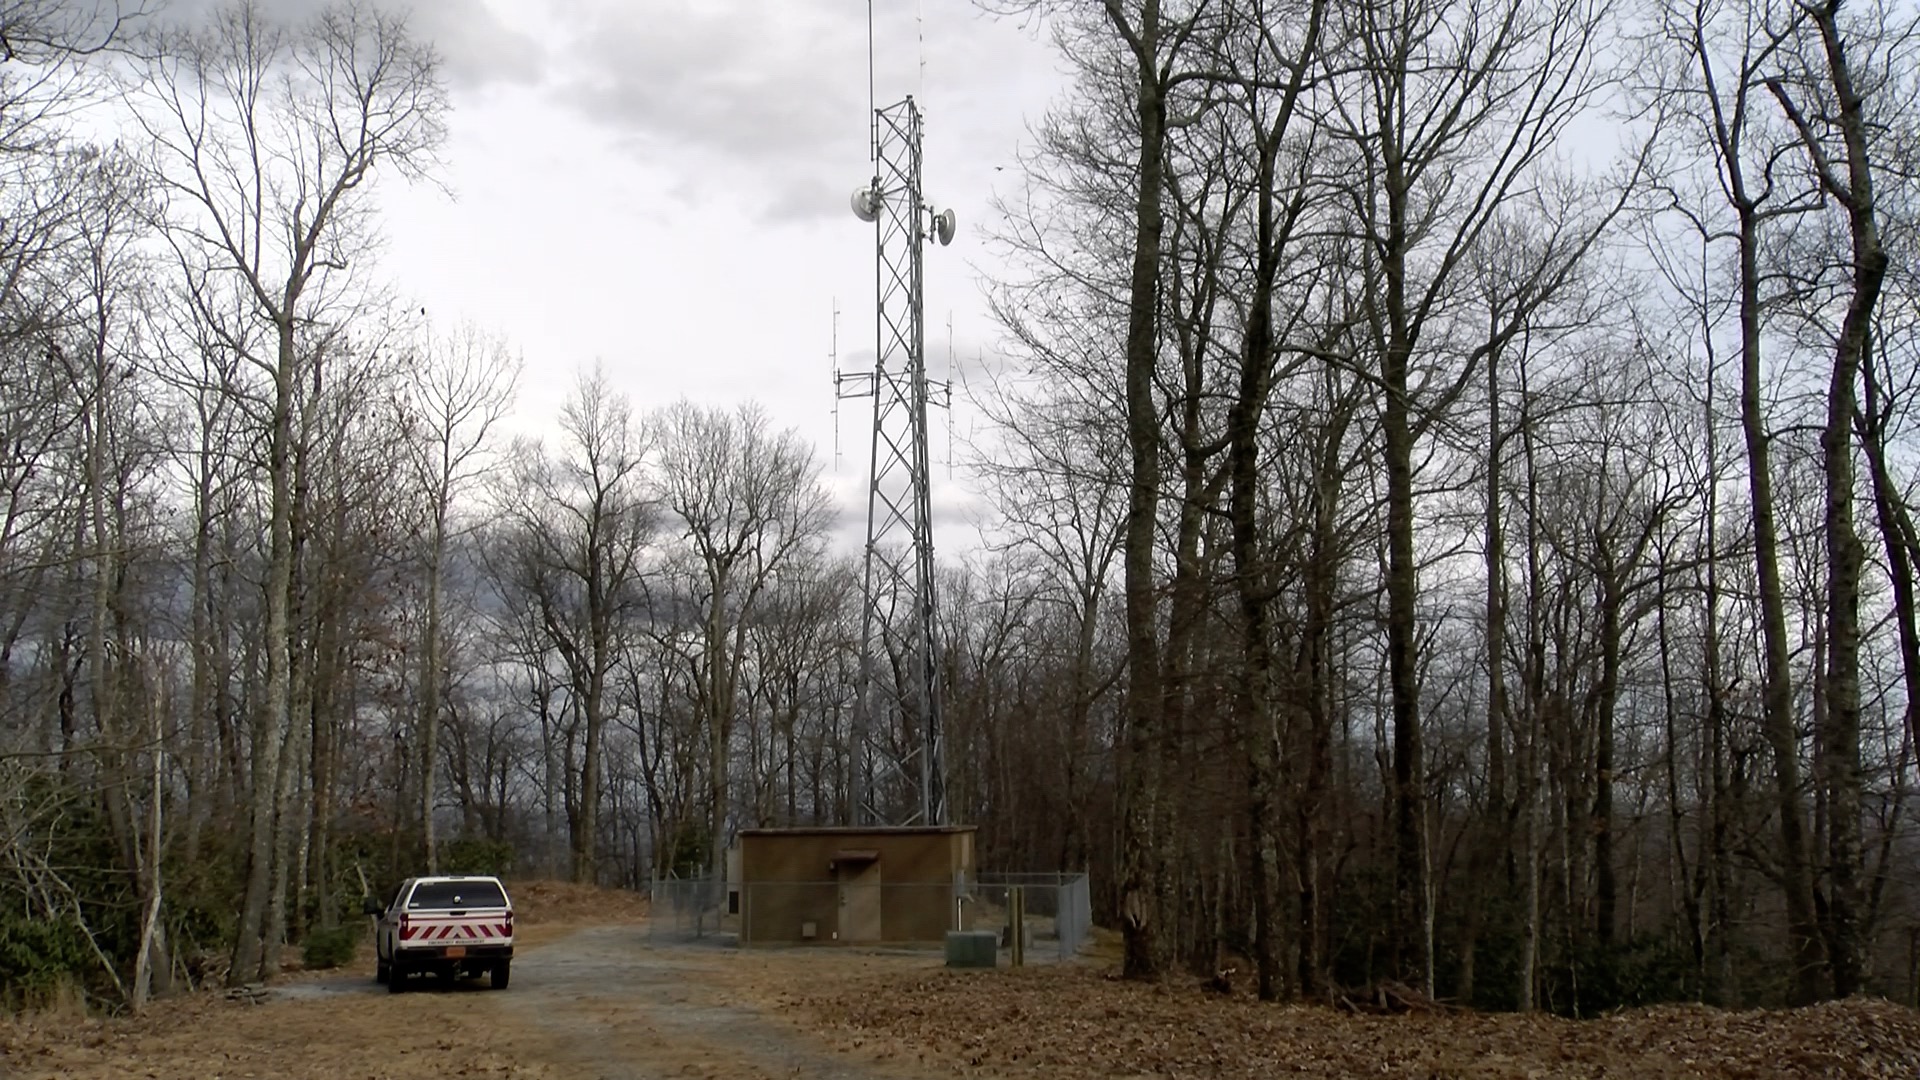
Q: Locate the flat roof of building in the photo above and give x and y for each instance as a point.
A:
(860, 830)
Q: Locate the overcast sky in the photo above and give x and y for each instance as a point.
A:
(662, 186)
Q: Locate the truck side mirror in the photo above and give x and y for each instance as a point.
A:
(372, 906)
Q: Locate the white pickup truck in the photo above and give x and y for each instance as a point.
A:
(447, 925)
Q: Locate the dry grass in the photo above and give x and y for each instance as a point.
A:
(430, 1036)
(208, 1037)
(545, 903)
(905, 1015)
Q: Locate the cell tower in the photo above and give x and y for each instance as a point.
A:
(898, 769)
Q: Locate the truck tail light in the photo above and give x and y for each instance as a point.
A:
(509, 924)
(403, 927)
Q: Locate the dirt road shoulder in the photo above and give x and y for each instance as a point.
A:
(588, 1003)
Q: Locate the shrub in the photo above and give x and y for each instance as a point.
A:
(41, 960)
(689, 852)
(1647, 970)
(331, 948)
(472, 856)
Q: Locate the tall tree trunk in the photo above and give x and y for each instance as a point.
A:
(270, 721)
(1322, 575)
(286, 900)
(1718, 984)
(332, 668)
(1258, 725)
(1494, 820)
(1606, 694)
(152, 964)
(1899, 538)
(719, 728)
(1803, 930)
(1527, 789)
(428, 721)
(1141, 875)
(1413, 917)
(205, 763)
(1846, 555)
(586, 832)
(1273, 229)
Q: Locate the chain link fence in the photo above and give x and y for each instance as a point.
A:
(1058, 912)
(691, 911)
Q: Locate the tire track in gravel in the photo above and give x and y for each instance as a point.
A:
(623, 1010)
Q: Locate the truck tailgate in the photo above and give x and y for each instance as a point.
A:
(482, 928)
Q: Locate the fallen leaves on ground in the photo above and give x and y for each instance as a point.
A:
(1077, 1022)
(905, 1015)
(211, 1037)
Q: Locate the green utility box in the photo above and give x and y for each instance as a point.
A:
(972, 948)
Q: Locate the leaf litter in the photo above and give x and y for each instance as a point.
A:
(1079, 1021)
(903, 1014)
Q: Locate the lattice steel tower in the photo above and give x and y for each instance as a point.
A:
(898, 769)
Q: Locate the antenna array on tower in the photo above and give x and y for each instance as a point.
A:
(898, 768)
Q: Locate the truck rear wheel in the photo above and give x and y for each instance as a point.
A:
(501, 969)
(396, 977)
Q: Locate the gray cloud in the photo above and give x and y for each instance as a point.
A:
(747, 93)
(737, 87)
(476, 47)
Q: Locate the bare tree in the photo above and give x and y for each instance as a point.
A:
(1720, 62)
(749, 504)
(1138, 49)
(264, 139)
(456, 393)
(581, 528)
(114, 453)
(1445, 110)
(1059, 506)
(43, 31)
(1271, 124)
(1846, 177)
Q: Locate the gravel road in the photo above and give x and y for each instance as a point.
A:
(600, 1003)
(632, 1012)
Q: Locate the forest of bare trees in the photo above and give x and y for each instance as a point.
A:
(1451, 512)
(1512, 542)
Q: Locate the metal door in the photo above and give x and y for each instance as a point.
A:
(859, 900)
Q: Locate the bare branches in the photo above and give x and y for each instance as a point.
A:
(264, 133)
